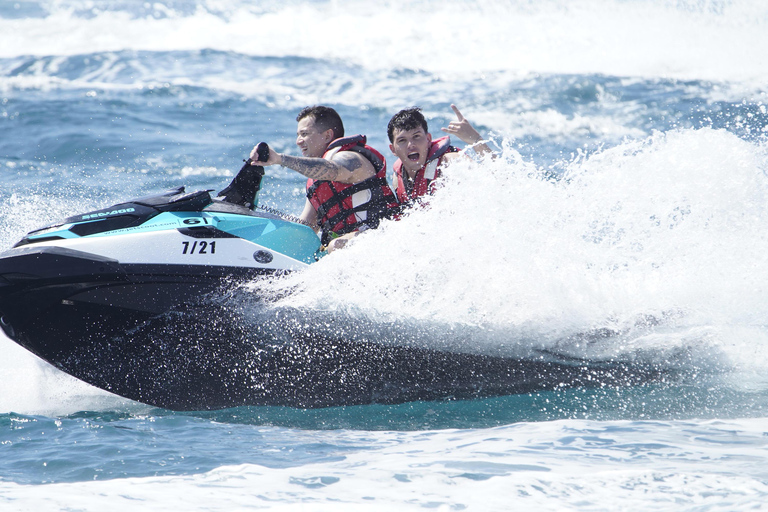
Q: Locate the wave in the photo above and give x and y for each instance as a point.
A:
(652, 250)
(693, 39)
(219, 102)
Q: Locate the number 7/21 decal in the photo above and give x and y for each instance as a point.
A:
(201, 247)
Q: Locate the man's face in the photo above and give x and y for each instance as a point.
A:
(411, 147)
(311, 141)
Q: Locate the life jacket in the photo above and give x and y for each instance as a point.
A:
(423, 181)
(346, 207)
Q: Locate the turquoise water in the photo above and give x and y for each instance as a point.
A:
(629, 198)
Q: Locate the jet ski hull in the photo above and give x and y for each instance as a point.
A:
(203, 356)
(162, 336)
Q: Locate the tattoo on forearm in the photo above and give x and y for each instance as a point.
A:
(312, 168)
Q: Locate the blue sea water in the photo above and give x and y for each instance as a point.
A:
(630, 185)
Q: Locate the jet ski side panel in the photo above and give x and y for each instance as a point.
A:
(291, 240)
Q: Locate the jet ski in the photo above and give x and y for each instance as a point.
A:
(135, 299)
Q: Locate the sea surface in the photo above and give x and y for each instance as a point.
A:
(625, 217)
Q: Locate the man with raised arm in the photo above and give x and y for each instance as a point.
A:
(420, 159)
(347, 189)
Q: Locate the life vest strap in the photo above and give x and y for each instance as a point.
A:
(340, 196)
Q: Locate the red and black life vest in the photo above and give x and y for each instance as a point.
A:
(423, 181)
(344, 207)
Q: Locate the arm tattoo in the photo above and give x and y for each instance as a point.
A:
(313, 168)
(322, 169)
(348, 160)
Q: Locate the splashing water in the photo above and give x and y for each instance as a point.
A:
(657, 242)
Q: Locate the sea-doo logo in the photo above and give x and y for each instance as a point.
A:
(107, 214)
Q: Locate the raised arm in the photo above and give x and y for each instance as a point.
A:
(462, 129)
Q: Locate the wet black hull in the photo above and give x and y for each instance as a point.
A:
(164, 339)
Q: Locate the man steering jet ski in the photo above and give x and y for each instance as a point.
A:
(347, 189)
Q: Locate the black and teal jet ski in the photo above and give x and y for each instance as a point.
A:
(137, 299)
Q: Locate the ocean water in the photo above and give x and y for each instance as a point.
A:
(624, 218)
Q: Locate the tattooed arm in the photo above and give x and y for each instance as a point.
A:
(344, 167)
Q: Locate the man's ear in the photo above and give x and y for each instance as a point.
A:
(429, 137)
(328, 134)
(392, 149)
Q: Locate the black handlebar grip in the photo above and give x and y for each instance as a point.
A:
(263, 152)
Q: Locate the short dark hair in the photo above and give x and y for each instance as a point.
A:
(406, 119)
(325, 119)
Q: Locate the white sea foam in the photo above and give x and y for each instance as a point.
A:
(632, 466)
(651, 38)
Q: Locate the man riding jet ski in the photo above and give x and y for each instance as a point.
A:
(143, 299)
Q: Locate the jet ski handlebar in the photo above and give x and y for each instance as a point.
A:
(262, 151)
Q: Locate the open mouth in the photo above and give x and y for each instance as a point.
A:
(413, 157)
